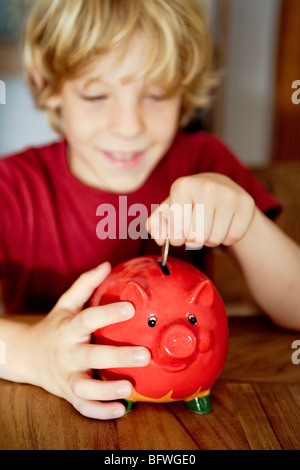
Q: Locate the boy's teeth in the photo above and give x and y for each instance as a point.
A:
(123, 156)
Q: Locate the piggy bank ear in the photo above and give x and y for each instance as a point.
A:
(202, 292)
(135, 293)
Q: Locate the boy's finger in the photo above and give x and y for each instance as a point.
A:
(82, 289)
(195, 234)
(98, 410)
(222, 221)
(95, 356)
(91, 319)
(238, 228)
(83, 386)
(157, 224)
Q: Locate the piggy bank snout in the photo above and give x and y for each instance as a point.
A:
(178, 342)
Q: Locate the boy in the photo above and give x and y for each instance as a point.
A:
(118, 79)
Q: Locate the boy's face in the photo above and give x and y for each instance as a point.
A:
(117, 132)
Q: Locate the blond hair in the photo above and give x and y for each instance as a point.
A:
(63, 37)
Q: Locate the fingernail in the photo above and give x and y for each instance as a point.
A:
(124, 390)
(127, 310)
(141, 356)
(103, 266)
(193, 246)
(157, 237)
(118, 412)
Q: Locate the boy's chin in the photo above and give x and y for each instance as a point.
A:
(127, 187)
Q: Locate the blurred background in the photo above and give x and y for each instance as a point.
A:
(258, 53)
(257, 48)
(20, 123)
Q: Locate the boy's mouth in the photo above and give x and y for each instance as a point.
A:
(124, 159)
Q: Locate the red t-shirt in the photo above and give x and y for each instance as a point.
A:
(49, 223)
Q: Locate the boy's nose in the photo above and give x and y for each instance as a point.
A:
(127, 122)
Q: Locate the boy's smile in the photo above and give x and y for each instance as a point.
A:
(125, 160)
(117, 130)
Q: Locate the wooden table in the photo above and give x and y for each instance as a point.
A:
(256, 405)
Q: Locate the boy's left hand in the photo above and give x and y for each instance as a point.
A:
(223, 219)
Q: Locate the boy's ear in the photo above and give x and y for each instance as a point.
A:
(37, 78)
(54, 101)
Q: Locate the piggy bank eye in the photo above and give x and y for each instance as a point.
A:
(152, 322)
(193, 319)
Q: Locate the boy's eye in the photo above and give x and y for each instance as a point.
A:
(155, 97)
(95, 98)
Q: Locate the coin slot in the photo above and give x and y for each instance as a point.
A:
(165, 269)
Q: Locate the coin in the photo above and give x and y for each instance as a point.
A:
(165, 252)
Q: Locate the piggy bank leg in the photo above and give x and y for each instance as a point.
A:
(200, 405)
(128, 405)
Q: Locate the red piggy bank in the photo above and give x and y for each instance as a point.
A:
(179, 317)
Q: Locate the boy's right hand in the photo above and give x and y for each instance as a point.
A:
(62, 357)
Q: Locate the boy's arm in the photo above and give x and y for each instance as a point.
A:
(270, 261)
(14, 353)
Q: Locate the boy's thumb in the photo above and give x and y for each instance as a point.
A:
(82, 289)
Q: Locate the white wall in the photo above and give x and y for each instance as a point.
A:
(249, 84)
(21, 125)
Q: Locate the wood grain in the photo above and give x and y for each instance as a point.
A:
(256, 405)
